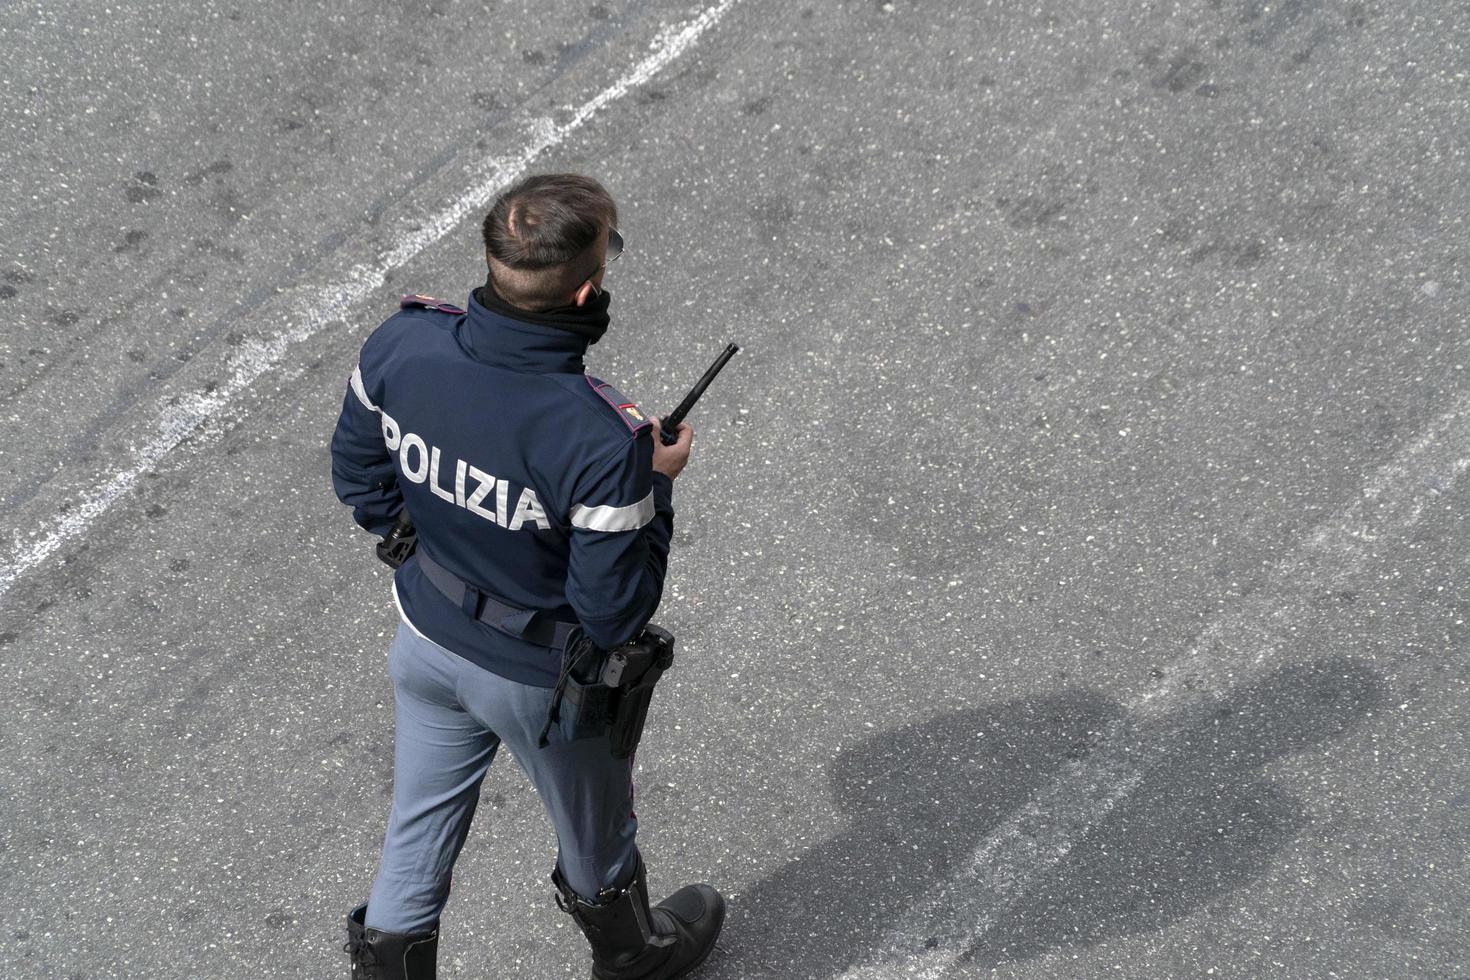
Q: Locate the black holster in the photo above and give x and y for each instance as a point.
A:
(399, 544)
(608, 693)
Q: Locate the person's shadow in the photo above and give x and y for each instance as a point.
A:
(1201, 822)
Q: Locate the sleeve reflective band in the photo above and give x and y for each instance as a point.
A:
(607, 518)
(359, 390)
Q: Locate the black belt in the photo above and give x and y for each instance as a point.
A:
(523, 624)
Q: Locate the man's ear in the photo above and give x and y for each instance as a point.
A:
(583, 293)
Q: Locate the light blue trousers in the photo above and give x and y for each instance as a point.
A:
(451, 717)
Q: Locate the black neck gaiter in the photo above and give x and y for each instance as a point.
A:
(589, 321)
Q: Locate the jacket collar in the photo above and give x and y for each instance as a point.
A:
(504, 341)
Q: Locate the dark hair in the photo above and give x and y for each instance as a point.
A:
(548, 220)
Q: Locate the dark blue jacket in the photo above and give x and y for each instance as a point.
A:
(525, 477)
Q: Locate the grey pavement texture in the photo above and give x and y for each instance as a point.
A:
(1072, 575)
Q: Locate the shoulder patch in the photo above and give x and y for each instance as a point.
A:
(630, 413)
(427, 302)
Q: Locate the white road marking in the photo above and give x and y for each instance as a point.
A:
(934, 935)
(177, 423)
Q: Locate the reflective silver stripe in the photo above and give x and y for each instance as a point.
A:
(360, 391)
(606, 518)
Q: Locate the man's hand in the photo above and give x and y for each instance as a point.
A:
(670, 460)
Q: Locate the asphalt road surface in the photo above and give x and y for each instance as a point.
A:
(1071, 578)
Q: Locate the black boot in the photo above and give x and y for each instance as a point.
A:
(378, 955)
(630, 941)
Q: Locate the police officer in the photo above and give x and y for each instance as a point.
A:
(542, 503)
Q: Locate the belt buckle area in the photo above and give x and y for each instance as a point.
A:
(472, 602)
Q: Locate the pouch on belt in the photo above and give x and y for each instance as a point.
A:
(608, 693)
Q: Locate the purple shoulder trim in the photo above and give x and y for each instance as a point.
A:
(630, 413)
(428, 303)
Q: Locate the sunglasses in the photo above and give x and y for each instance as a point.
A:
(614, 252)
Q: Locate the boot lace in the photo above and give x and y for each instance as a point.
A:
(362, 954)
